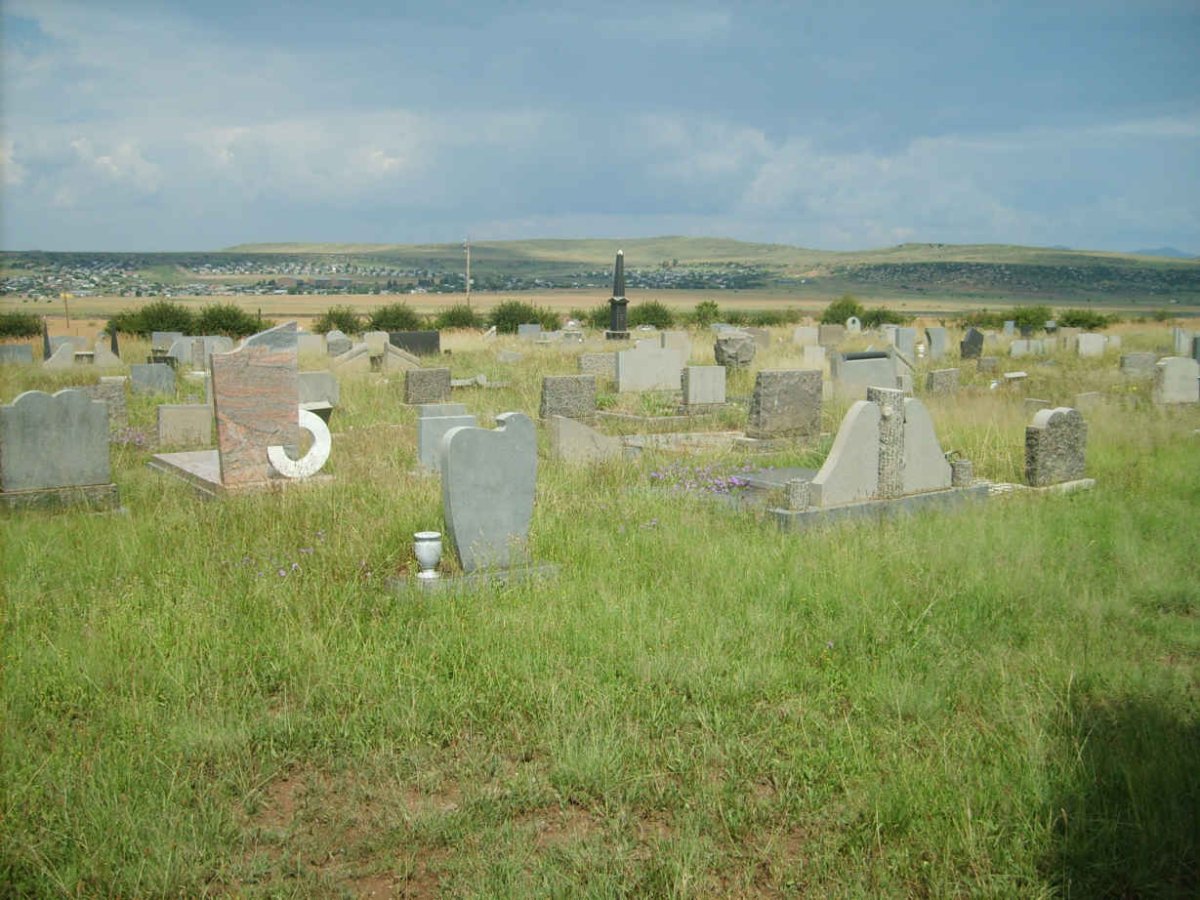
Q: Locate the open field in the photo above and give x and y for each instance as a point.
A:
(222, 699)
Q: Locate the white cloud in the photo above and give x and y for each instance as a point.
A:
(14, 172)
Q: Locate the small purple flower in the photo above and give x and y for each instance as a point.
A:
(283, 573)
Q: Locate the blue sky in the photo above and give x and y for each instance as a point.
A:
(841, 125)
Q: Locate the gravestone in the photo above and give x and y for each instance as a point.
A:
(971, 346)
(111, 392)
(942, 381)
(1068, 338)
(575, 442)
(648, 368)
(1176, 380)
(151, 378)
(161, 341)
(529, 331)
(925, 467)
(988, 365)
(602, 365)
(16, 354)
(488, 482)
(734, 349)
(703, 387)
(103, 357)
(830, 335)
(255, 398)
(75, 341)
(377, 342)
(1090, 345)
(54, 451)
(937, 341)
(570, 396)
(418, 343)
(805, 336)
(905, 340)
(1055, 446)
(433, 421)
(1138, 365)
(785, 403)
(813, 357)
(680, 341)
(1010, 328)
(853, 325)
(184, 425)
(336, 343)
(426, 386)
(1181, 341)
(850, 473)
(853, 373)
(318, 387)
(63, 357)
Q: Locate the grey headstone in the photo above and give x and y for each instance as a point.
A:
(785, 403)
(185, 425)
(1055, 447)
(488, 482)
(1176, 380)
(162, 340)
(433, 410)
(1181, 341)
(319, 387)
(830, 335)
(311, 344)
(571, 396)
(1091, 344)
(677, 340)
(813, 357)
(734, 349)
(53, 441)
(336, 343)
(418, 343)
(761, 336)
(602, 365)
(63, 357)
(805, 336)
(649, 368)
(16, 354)
(942, 381)
(925, 466)
(152, 378)
(937, 342)
(529, 331)
(426, 386)
(576, 442)
(988, 365)
(851, 471)
(853, 373)
(971, 346)
(703, 386)
(905, 340)
(431, 430)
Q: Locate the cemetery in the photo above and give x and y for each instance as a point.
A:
(300, 614)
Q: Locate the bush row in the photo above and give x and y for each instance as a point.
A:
(163, 315)
(19, 324)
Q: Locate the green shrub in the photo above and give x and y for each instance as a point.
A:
(705, 313)
(342, 318)
(765, 318)
(18, 324)
(508, 315)
(982, 318)
(651, 313)
(1162, 315)
(1087, 319)
(163, 315)
(837, 312)
(736, 316)
(458, 316)
(598, 317)
(1031, 317)
(873, 318)
(228, 319)
(394, 317)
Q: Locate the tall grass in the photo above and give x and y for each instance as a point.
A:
(223, 698)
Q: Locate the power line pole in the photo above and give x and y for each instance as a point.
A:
(468, 248)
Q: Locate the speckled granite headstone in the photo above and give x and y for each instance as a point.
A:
(785, 403)
(572, 396)
(426, 386)
(1055, 446)
(256, 391)
(488, 481)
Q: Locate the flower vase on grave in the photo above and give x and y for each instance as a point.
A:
(427, 547)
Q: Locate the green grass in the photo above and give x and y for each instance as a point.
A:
(1001, 701)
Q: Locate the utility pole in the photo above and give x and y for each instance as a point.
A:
(467, 245)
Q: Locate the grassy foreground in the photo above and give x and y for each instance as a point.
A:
(223, 699)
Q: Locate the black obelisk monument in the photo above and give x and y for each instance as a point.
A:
(618, 329)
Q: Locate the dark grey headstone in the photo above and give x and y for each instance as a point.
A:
(785, 403)
(419, 343)
(971, 346)
(571, 396)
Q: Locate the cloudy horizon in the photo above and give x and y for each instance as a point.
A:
(148, 126)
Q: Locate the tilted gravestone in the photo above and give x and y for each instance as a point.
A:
(971, 346)
(151, 378)
(419, 343)
(575, 442)
(734, 349)
(54, 451)
(255, 397)
(488, 482)
(571, 396)
(426, 386)
(1055, 447)
(785, 403)
(703, 387)
(1176, 380)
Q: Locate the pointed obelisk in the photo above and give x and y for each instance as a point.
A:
(618, 328)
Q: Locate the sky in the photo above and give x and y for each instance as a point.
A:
(141, 125)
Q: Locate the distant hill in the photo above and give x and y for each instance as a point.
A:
(1169, 252)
